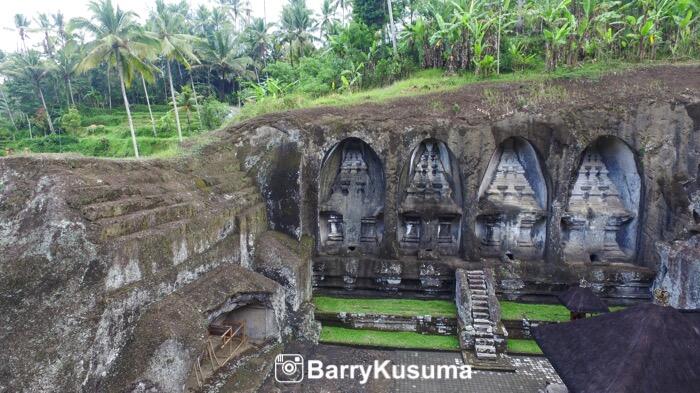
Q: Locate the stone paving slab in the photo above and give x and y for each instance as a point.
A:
(531, 375)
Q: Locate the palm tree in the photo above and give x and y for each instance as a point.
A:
(30, 67)
(236, 9)
(119, 41)
(59, 24)
(22, 26)
(174, 46)
(188, 101)
(343, 5)
(148, 100)
(327, 18)
(67, 58)
(392, 27)
(45, 27)
(258, 40)
(227, 60)
(297, 25)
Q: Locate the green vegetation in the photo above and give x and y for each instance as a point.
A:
(424, 82)
(538, 312)
(376, 338)
(105, 133)
(216, 55)
(399, 307)
(520, 346)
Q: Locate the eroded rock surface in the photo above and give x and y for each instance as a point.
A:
(89, 248)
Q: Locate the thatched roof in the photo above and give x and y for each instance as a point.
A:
(580, 299)
(643, 349)
(694, 316)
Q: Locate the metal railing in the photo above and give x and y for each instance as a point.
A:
(232, 339)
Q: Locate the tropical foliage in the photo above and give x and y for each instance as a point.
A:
(202, 61)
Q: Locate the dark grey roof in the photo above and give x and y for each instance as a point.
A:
(643, 349)
(578, 299)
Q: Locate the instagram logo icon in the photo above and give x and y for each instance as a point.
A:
(289, 368)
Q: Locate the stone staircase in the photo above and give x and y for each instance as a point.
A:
(484, 343)
(151, 223)
(481, 333)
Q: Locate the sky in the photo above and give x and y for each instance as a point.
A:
(71, 8)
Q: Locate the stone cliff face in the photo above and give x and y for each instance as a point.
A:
(90, 247)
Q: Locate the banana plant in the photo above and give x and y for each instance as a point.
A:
(351, 77)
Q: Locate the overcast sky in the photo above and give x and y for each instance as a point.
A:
(72, 8)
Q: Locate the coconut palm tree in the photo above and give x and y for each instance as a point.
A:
(119, 42)
(46, 27)
(174, 46)
(343, 5)
(30, 67)
(22, 26)
(227, 60)
(297, 25)
(258, 40)
(67, 58)
(328, 18)
(236, 9)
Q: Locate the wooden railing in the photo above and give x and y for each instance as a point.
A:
(233, 337)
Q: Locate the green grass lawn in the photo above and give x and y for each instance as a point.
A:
(523, 346)
(537, 312)
(376, 338)
(105, 133)
(401, 307)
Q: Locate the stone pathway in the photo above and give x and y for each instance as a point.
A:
(531, 376)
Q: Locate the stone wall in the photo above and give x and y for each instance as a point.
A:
(88, 247)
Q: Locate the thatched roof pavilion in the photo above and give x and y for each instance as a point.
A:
(582, 300)
(643, 349)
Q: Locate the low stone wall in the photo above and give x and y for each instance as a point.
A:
(520, 329)
(419, 324)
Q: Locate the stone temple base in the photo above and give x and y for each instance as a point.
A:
(618, 284)
(367, 276)
(527, 281)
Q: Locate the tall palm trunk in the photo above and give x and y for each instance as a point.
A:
(392, 27)
(29, 124)
(126, 105)
(196, 103)
(70, 91)
(172, 96)
(9, 110)
(148, 103)
(46, 109)
(109, 89)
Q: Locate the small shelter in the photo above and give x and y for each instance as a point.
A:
(644, 349)
(581, 301)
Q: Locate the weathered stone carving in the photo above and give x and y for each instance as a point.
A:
(431, 207)
(350, 214)
(512, 203)
(598, 215)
